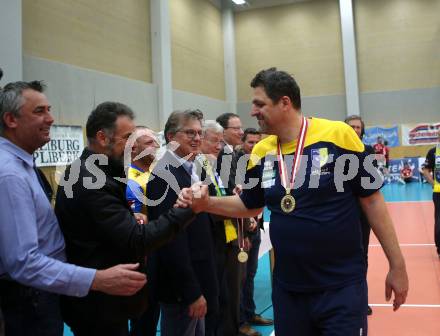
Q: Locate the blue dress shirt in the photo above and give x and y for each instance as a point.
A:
(31, 242)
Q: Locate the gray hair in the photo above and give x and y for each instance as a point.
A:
(11, 98)
(213, 126)
(178, 118)
(141, 130)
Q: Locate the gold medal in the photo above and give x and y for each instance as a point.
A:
(288, 203)
(242, 256)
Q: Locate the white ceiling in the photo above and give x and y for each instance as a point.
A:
(252, 4)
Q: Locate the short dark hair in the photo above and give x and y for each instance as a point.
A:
(249, 130)
(223, 119)
(356, 117)
(178, 118)
(104, 117)
(11, 98)
(277, 84)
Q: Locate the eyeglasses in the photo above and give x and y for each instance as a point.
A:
(237, 128)
(192, 133)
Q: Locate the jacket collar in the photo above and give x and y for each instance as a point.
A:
(112, 169)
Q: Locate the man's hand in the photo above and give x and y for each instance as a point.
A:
(140, 218)
(237, 190)
(185, 198)
(196, 197)
(201, 198)
(198, 308)
(253, 225)
(397, 282)
(120, 280)
(247, 244)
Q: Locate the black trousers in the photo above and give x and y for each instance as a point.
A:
(28, 311)
(146, 324)
(436, 199)
(2, 330)
(230, 288)
(91, 329)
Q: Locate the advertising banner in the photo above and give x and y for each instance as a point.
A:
(66, 145)
(420, 134)
(396, 165)
(390, 135)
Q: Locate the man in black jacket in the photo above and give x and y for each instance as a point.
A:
(99, 227)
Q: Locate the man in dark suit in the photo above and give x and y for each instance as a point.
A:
(186, 275)
(99, 227)
(227, 158)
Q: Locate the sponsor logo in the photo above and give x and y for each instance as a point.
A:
(320, 158)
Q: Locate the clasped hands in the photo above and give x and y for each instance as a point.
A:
(195, 197)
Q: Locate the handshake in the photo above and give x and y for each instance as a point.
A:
(196, 197)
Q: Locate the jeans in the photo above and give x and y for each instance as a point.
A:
(175, 321)
(146, 325)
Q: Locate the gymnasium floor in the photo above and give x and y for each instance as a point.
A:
(412, 211)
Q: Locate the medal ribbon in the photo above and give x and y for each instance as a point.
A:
(240, 233)
(296, 158)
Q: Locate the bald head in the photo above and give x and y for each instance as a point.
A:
(144, 147)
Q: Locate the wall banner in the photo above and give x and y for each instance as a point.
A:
(66, 145)
(420, 134)
(390, 134)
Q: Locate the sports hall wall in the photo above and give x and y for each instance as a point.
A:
(303, 38)
(92, 51)
(398, 48)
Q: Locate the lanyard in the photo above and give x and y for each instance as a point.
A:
(212, 175)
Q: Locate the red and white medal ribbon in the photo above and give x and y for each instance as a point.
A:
(296, 158)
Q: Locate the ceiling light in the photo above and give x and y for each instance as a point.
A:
(239, 2)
